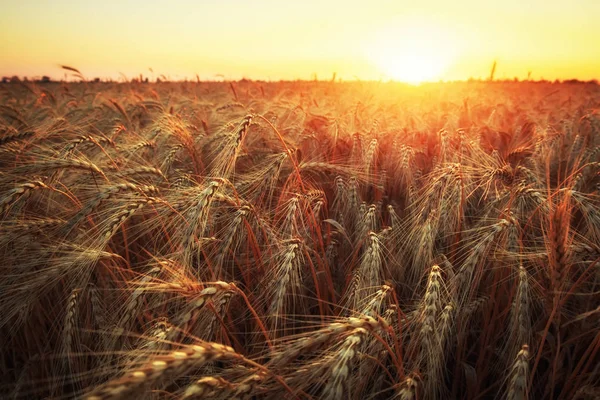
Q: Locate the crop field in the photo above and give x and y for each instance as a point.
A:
(310, 240)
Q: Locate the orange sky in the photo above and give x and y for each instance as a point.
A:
(268, 39)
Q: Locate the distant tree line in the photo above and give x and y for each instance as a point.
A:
(140, 79)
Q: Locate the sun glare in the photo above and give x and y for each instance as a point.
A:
(412, 52)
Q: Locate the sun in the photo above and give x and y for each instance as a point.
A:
(411, 52)
(411, 67)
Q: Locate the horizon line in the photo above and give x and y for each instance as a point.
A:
(163, 79)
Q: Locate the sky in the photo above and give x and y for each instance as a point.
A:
(277, 39)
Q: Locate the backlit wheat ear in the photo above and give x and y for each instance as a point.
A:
(318, 208)
(225, 159)
(126, 318)
(406, 178)
(317, 339)
(407, 390)
(591, 154)
(519, 375)
(529, 200)
(86, 139)
(357, 150)
(285, 283)
(267, 185)
(558, 245)
(231, 240)
(370, 155)
(352, 212)
(369, 274)
(336, 386)
(340, 197)
(197, 219)
(182, 179)
(11, 230)
(141, 145)
(98, 308)
(70, 326)
(586, 205)
(142, 171)
(178, 362)
(290, 226)
(208, 319)
(15, 136)
(136, 298)
(103, 196)
(341, 378)
(432, 345)
(368, 222)
(192, 318)
(244, 388)
(520, 325)
(447, 327)
(424, 243)
(153, 341)
(206, 387)
(377, 305)
(587, 172)
(21, 190)
(59, 164)
(395, 221)
(469, 274)
(209, 386)
(122, 215)
(170, 158)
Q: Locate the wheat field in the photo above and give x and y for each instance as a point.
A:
(323, 240)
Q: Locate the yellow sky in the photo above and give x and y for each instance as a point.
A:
(268, 39)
